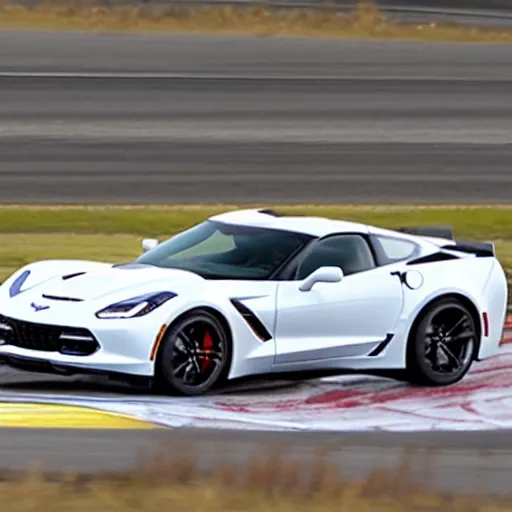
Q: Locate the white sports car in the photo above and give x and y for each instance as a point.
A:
(256, 293)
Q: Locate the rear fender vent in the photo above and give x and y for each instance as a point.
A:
(252, 321)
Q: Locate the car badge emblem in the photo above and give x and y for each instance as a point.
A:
(38, 308)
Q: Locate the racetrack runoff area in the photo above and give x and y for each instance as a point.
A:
(481, 401)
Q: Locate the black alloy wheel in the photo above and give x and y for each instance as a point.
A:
(442, 347)
(194, 357)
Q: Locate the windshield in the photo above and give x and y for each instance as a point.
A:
(222, 251)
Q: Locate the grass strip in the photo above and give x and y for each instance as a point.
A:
(366, 21)
(266, 484)
(114, 233)
(480, 222)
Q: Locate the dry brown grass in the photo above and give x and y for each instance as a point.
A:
(268, 484)
(365, 22)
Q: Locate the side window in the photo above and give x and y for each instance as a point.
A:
(351, 253)
(396, 249)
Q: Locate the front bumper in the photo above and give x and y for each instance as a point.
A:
(110, 347)
(47, 366)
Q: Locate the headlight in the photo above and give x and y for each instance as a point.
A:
(15, 288)
(136, 306)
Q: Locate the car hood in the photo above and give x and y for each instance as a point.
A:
(123, 279)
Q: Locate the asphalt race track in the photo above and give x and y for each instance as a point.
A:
(456, 460)
(462, 461)
(114, 118)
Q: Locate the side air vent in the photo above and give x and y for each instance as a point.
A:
(433, 258)
(381, 346)
(71, 276)
(252, 320)
(55, 297)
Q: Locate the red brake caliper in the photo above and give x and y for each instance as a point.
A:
(206, 348)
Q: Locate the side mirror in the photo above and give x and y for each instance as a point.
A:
(149, 243)
(321, 275)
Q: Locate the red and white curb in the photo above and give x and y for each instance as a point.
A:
(507, 335)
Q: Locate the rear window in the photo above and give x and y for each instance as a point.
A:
(396, 249)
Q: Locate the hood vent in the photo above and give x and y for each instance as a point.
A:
(68, 299)
(70, 276)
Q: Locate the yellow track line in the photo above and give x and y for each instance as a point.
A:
(27, 415)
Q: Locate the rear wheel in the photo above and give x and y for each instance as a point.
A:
(194, 356)
(442, 346)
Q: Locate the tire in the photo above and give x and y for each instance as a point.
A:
(442, 344)
(194, 357)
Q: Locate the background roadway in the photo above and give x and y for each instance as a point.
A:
(138, 118)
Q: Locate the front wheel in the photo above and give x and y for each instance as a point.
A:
(194, 356)
(442, 346)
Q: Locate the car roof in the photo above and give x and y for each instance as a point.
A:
(314, 226)
(321, 226)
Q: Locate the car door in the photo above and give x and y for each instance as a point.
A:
(336, 319)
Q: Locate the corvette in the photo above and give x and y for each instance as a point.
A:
(257, 293)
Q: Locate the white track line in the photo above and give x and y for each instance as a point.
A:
(204, 76)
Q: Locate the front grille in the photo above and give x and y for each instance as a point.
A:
(46, 338)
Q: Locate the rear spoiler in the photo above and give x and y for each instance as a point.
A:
(429, 231)
(481, 249)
